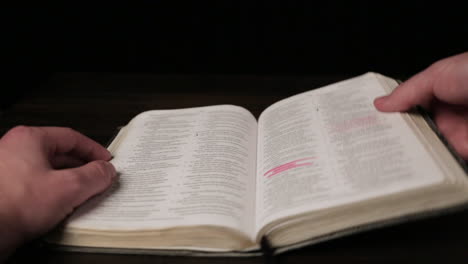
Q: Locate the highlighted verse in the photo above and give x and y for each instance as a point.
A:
(289, 165)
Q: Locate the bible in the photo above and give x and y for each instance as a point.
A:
(318, 165)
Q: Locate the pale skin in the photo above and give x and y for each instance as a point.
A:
(442, 89)
(46, 172)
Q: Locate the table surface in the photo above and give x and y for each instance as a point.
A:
(96, 103)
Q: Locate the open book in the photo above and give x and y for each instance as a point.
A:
(315, 166)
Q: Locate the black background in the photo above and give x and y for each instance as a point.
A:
(260, 38)
(227, 37)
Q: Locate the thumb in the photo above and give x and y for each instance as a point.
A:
(418, 90)
(76, 185)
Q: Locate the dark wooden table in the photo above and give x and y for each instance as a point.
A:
(96, 103)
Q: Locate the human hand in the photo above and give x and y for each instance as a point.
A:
(442, 89)
(45, 172)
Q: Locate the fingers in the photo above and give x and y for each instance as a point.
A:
(76, 185)
(418, 90)
(64, 161)
(445, 80)
(59, 140)
(454, 127)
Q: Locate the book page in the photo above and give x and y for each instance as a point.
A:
(331, 147)
(180, 168)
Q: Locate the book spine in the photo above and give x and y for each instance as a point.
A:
(268, 251)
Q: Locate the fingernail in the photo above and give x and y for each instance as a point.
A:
(109, 154)
(381, 98)
(379, 101)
